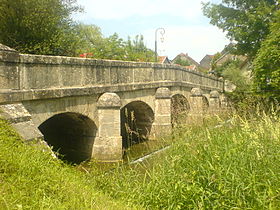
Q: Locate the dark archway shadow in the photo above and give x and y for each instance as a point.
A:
(137, 118)
(71, 135)
(180, 108)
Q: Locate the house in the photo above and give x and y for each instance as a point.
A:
(192, 68)
(184, 60)
(163, 60)
(206, 61)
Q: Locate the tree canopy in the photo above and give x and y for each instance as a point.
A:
(255, 26)
(46, 27)
(267, 62)
(38, 26)
(246, 22)
(94, 44)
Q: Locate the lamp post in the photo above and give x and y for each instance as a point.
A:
(162, 32)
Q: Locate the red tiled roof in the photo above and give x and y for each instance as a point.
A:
(162, 59)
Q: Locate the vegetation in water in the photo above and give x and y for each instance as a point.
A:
(234, 164)
(231, 166)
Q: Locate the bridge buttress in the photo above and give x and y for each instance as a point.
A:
(214, 101)
(197, 105)
(108, 142)
(21, 120)
(162, 123)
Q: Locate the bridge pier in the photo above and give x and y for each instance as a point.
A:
(162, 123)
(214, 101)
(108, 142)
(196, 105)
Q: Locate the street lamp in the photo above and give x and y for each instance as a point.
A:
(162, 32)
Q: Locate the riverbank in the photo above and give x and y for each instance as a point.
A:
(32, 179)
(235, 165)
(232, 166)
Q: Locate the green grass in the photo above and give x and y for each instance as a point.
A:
(234, 166)
(32, 179)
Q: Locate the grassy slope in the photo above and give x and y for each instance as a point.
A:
(235, 166)
(32, 179)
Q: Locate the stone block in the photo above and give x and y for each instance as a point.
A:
(107, 149)
(27, 130)
(143, 74)
(15, 113)
(163, 119)
(109, 130)
(9, 76)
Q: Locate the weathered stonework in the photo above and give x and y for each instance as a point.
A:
(108, 143)
(214, 101)
(34, 88)
(162, 123)
(21, 120)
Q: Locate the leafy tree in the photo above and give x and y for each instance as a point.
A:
(245, 21)
(91, 40)
(38, 26)
(236, 75)
(112, 47)
(267, 62)
(137, 51)
(182, 62)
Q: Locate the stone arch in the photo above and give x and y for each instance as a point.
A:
(71, 135)
(137, 118)
(180, 107)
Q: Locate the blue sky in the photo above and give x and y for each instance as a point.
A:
(186, 29)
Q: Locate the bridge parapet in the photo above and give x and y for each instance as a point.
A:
(29, 77)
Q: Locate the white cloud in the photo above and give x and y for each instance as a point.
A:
(197, 41)
(121, 9)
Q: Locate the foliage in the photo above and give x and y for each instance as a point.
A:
(246, 102)
(246, 22)
(215, 58)
(33, 179)
(267, 62)
(112, 47)
(182, 62)
(38, 26)
(91, 39)
(231, 70)
(137, 51)
(46, 27)
(233, 166)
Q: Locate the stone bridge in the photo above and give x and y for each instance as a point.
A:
(88, 108)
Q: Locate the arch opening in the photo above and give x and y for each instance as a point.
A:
(137, 118)
(180, 108)
(71, 135)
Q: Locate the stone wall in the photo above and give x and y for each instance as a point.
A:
(28, 77)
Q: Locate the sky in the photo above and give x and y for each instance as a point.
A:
(186, 29)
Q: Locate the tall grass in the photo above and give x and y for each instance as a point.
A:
(231, 166)
(33, 179)
(234, 166)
